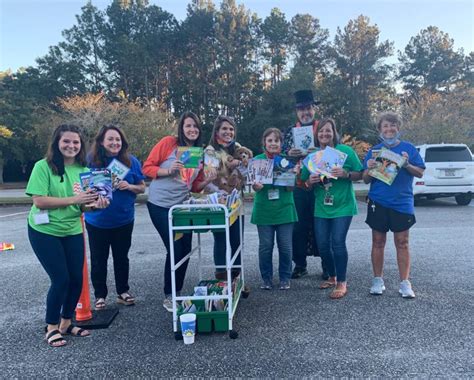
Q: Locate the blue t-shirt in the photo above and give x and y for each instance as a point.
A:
(399, 195)
(121, 210)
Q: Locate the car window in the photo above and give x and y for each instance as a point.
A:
(448, 154)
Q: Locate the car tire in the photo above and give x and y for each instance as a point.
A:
(463, 199)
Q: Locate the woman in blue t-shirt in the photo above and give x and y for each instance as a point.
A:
(391, 207)
(113, 226)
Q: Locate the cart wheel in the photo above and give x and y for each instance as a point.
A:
(245, 294)
(178, 335)
(233, 334)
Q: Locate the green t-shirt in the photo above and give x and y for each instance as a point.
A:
(344, 201)
(63, 221)
(272, 212)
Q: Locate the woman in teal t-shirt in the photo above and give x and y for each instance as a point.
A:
(55, 230)
(274, 212)
(335, 205)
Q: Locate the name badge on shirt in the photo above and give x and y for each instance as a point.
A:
(273, 194)
(41, 217)
(328, 200)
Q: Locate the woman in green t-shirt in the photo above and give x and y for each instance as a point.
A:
(274, 212)
(55, 229)
(335, 205)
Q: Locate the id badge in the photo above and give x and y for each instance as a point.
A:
(41, 217)
(273, 194)
(328, 200)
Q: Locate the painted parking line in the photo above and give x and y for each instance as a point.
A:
(17, 213)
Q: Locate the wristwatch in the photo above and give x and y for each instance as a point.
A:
(349, 175)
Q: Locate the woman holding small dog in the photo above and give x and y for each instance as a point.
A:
(223, 146)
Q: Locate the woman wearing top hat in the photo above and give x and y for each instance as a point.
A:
(303, 236)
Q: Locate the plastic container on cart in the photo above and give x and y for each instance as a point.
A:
(201, 217)
(209, 321)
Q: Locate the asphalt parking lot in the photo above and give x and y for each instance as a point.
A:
(295, 333)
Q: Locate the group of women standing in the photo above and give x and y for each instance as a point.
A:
(55, 230)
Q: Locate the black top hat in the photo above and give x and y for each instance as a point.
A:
(304, 98)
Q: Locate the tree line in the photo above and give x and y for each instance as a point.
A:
(136, 65)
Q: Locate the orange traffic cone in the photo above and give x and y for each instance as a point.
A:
(83, 307)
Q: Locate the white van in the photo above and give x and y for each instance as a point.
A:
(449, 173)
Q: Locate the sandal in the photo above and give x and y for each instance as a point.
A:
(337, 294)
(54, 338)
(100, 303)
(77, 332)
(327, 284)
(125, 299)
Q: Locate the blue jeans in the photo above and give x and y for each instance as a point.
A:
(220, 245)
(63, 259)
(266, 236)
(331, 236)
(159, 218)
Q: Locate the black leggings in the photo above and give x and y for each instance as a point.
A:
(159, 218)
(100, 242)
(62, 258)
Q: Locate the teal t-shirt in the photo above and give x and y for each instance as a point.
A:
(63, 221)
(272, 212)
(344, 201)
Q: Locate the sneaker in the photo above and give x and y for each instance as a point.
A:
(267, 285)
(284, 285)
(299, 272)
(405, 289)
(168, 304)
(378, 286)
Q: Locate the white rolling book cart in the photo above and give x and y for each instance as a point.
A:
(202, 218)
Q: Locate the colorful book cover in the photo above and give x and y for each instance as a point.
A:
(388, 165)
(260, 171)
(190, 156)
(99, 180)
(210, 159)
(303, 137)
(118, 172)
(323, 161)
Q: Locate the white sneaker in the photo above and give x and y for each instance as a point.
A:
(168, 304)
(405, 289)
(378, 286)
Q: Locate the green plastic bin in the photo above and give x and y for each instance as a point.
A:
(198, 217)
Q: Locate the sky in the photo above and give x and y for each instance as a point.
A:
(29, 27)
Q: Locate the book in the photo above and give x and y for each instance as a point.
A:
(323, 161)
(284, 178)
(210, 159)
(260, 171)
(190, 156)
(303, 137)
(118, 172)
(388, 165)
(99, 180)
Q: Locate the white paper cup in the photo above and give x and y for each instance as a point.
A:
(188, 327)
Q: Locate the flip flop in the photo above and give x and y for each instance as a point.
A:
(337, 294)
(327, 285)
(79, 332)
(100, 303)
(55, 336)
(127, 300)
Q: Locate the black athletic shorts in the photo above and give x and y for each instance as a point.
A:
(383, 219)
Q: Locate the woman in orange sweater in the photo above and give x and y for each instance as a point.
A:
(171, 186)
